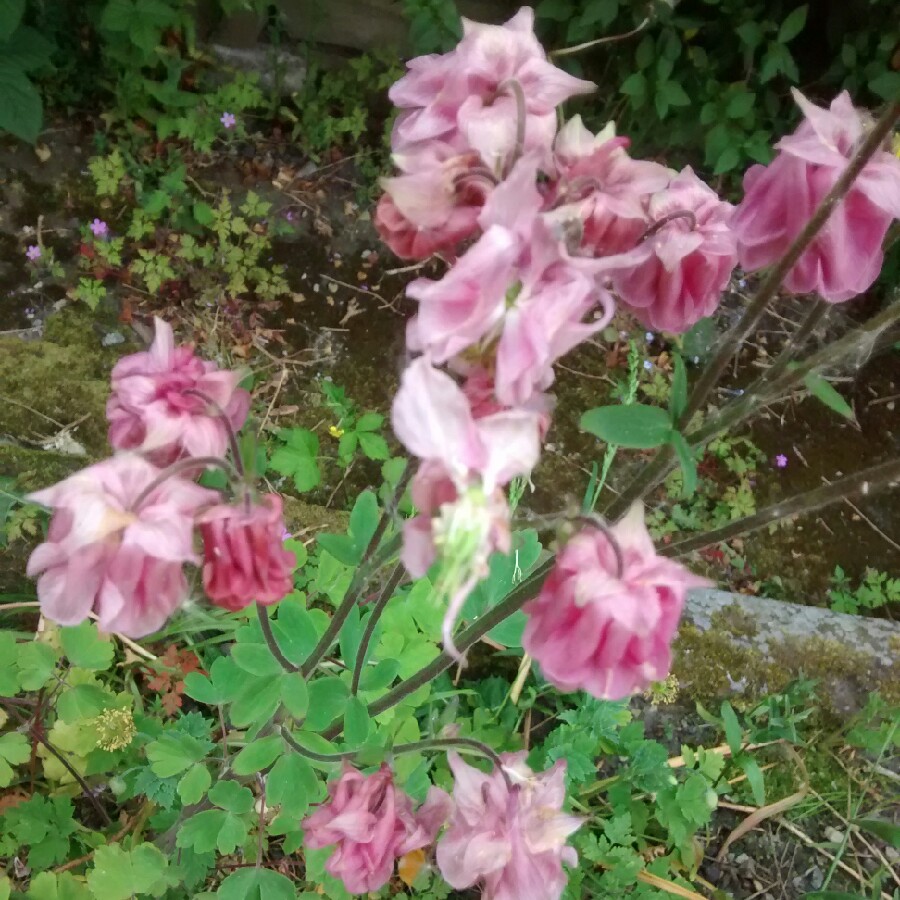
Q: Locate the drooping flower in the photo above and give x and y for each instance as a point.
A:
(463, 514)
(433, 204)
(508, 840)
(228, 120)
(679, 272)
(607, 613)
(160, 406)
(468, 96)
(109, 554)
(99, 228)
(33, 252)
(244, 559)
(371, 823)
(845, 257)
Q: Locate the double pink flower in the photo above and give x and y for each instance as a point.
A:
(845, 257)
(607, 613)
(166, 402)
(371, 823)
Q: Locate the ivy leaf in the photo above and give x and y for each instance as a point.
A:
(85, 648)
(636, 426)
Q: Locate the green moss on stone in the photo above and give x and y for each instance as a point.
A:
(299, 515)
(36, 469)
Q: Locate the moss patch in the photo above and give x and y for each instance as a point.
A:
(64, 382)
(719, 663)
(299, 515)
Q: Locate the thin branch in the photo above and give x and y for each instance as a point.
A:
(881, 476)
(609, 39)
(85, 787)
(222, 416)
(271, 642)
(383, 599)
(360, 578)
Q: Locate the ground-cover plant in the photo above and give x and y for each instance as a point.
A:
(875, 590)
(325, 743)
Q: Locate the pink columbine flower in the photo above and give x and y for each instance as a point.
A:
(845, 257)
(371, 823)
(463, 512)
(604, 621)
(153, 408)
(228, 120)
(33, 253)
(108, 554)
(781, 461)
(243, 555)
(684, 264)
(99, 228)
(510, 841)
(466, 96)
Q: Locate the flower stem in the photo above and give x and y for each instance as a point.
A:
(183, 465)
(360, 577)
(515, 88)
(661, 223)
(271, 642)
(883, 475)
(383, 599)
(651, 474)
(462, 744)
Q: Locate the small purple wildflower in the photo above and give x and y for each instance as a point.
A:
(99, 228)
(289, 215)
(228, 120)
(33, 252)
(781, 461)
(648, 365)
(650, 337)
(285, 535)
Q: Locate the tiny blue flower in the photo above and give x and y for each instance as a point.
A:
(650, 336)
(648, 365)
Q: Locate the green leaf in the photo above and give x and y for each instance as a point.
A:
(21, 112)
(825, 393)
(256, 884)
(509, 632)
(194, 784)
(378, 677)
(84, 701)
(728, 159)
(201, 831)
(557, 10)
(203, 214)
(256, 659)
(258, 755)
(53, 886)
(674, 93)
(740, 104)
(793, 24)
(9, 670)
(174, 752)
(257, 701)
(10, 16)
(887, 831)
(117, 15)
(373, 445)
(231, 796)
(298, 459)
(754, 779)
(637, 426)
(85, 648)
(832, 895)
(886, 85)
(679, 397)
(121, 874)
(646, 52)
(635, 85)
(370, 421)
(14, 750)
(733, 733)
(357, 723)
(29, 51)
(295, 630)
(687, 462)
(36, 660)
(200, 688)
(293, 785)
(295, 694)
(327, 699)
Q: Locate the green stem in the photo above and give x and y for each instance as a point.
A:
(360, 577)
(380, 604)
(184, 465)
(864, 482)
(272, 643)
